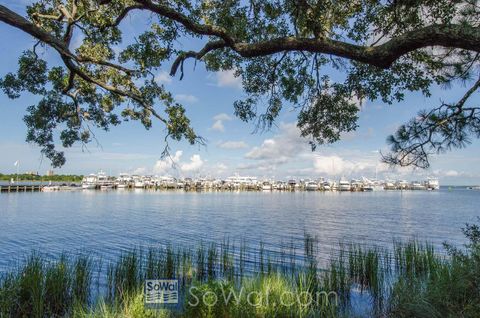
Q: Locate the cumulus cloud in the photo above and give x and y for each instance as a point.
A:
(292, 152)
(163, 78)
(140, 171)
(186, 98)
(168, 164)
(287, 144)
(194, 165)
(233, 145)
(452, 173)
(228, 79)
(222, 116)
(164, 165)
(218, 122)
(336, 165)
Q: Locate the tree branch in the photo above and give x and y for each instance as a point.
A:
(210, 46)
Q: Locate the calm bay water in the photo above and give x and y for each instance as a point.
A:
(107, 223)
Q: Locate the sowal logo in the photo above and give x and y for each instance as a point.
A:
(161, 291)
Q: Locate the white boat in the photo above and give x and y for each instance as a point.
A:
(89, 182)
(311, 186)
(266, 186)
(390, 185)
(402, 185)
(326, 186)
(356, 185)
(368, 187)
(417, 186)
(123, 181)
(344, 185)
(106, 187)
(371, 185)
(432, 184)
(139, 183)
(51, 188)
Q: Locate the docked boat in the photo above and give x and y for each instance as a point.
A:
(124, 180)
(266, 186)
(432, 184)
(344, 185)
(139, 183)
(389, 185)
(311, 186)
(417, 186)
(89, 182)
(326, 186)
(402, 185)
(51, 188)
(356, 185)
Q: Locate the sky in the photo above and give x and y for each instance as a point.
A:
(232, 146)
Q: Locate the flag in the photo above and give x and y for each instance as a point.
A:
(16, 163)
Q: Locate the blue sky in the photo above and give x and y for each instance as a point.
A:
(231, 145)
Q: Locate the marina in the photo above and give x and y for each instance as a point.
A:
(124, 181)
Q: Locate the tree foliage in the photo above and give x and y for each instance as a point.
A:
(285, 52)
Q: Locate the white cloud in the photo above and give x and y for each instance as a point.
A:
(337, 165)
(289, 150)
(452, 173)
(228, 79)
(233, 145)
(221, 167)
(287, 144)
(186, 98)
(194, 165)
(222, 116)
(163, 77)
(167, 163)
(218, 126)
(140, 171)
(218, 122)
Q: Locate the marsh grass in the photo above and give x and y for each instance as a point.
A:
(409, 280)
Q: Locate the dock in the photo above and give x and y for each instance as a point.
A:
(20, 188)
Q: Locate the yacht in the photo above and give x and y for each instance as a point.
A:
(106, 186)
(138, 182)
(402, 185)
(292, 184)
(123, 181)
(356, 185)
(417, 186)
(389, 185)
(344, 185)
(432, 184)
(89, 182)
(326, 186)
(371, 185)
(311, 186)
(266, 186)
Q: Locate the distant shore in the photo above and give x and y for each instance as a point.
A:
(33, 177)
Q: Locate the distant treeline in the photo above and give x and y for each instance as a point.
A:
(33, 177)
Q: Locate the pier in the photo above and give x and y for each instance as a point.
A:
(20, 188)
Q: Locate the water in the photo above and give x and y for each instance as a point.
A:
(108, 223)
